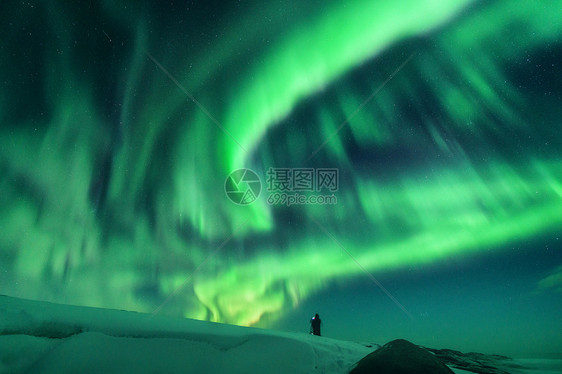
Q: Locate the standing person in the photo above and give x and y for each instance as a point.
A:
(315, 323)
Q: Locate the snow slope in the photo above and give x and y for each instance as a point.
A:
(40, 337)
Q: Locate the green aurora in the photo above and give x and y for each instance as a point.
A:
(112, 176)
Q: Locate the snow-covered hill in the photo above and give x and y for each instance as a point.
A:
(40, 337)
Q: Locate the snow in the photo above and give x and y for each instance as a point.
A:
(541, 366)
(49, 338)
(40, 337)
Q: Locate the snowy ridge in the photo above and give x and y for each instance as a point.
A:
(40, 337)
(50, 338)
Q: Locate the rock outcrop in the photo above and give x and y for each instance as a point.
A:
(400, 357)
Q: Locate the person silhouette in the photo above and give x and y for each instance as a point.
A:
(315, 323)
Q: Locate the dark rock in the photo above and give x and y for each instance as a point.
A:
(400, 357)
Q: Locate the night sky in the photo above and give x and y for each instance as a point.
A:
(120, 122)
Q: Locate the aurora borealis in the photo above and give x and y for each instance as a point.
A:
(120, 122)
